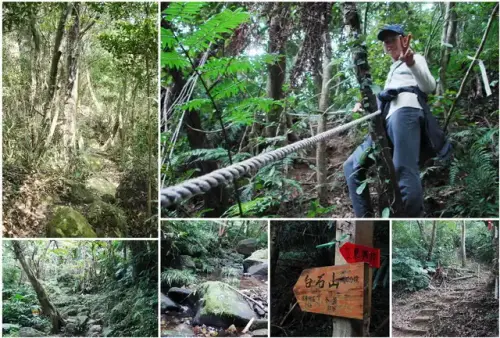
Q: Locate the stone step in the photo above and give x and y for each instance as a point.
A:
(419, 332)
(421, 319)
(425, 312)
(470, 304)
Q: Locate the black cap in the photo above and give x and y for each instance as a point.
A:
(398, 29)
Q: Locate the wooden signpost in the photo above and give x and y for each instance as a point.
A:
(340, 290)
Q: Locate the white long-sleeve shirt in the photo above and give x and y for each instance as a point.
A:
(400, 75)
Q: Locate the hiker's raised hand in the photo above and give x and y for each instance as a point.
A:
(406, 52)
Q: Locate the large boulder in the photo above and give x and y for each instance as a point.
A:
(168, 304)
(246, 246)
(221, 306)
(258, 270)
(67, 222)
(257, 258)
(107, 219)
(30, 332)
(180, 295)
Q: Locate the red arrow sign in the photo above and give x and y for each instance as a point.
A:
(354, 253)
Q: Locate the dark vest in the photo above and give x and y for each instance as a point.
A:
(434, 141)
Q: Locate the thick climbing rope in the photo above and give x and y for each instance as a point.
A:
(199, 185)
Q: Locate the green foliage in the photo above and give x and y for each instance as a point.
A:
(479, 242)
(474, 172)
(408, 273)
(175, 277)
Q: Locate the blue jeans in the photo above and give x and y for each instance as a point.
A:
(404, 131)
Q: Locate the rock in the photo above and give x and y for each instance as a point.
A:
(259, 324)
(168, 305)
(107, 219)
(258, 257)
(258, 270)
(221, 306)
(258, 310)
(101, 185)
(6, 328)
(246, 246)
(260, 333)
(181, 295)
(67, 222)
(82, 320)
(94, 331)
(30, 332)
(184, 262)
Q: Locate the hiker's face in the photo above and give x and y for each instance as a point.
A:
(392, 46)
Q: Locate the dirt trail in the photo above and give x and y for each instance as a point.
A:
(447, 310)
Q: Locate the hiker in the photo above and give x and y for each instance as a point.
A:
(411, 128)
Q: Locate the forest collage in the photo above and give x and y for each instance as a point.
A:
(273, 169)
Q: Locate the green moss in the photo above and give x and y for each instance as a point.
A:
(107, 219)
(218, 298)
(67, 222)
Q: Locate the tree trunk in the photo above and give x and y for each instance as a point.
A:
(275, 250)
(277, 70)
(448, 37)
(47, 307)
(324, 102)
(71, 89)
(52, 82)
(389, 193)
(433, 240)
(464, 263)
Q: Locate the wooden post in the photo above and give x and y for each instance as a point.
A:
(361, 232)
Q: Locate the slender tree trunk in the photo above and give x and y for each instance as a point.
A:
(52, 81)
(47, 307)
(324, 102)
(150, 140)
(56, 55)
(448, 37)
(277, 70)
(433, 240)
(389, 193)
(464, 263)
(71, 90)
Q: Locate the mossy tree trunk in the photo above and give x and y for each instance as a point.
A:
(47, 307)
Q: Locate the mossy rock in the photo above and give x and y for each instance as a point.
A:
(67, 222)
(107, 219)
(221, 306)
